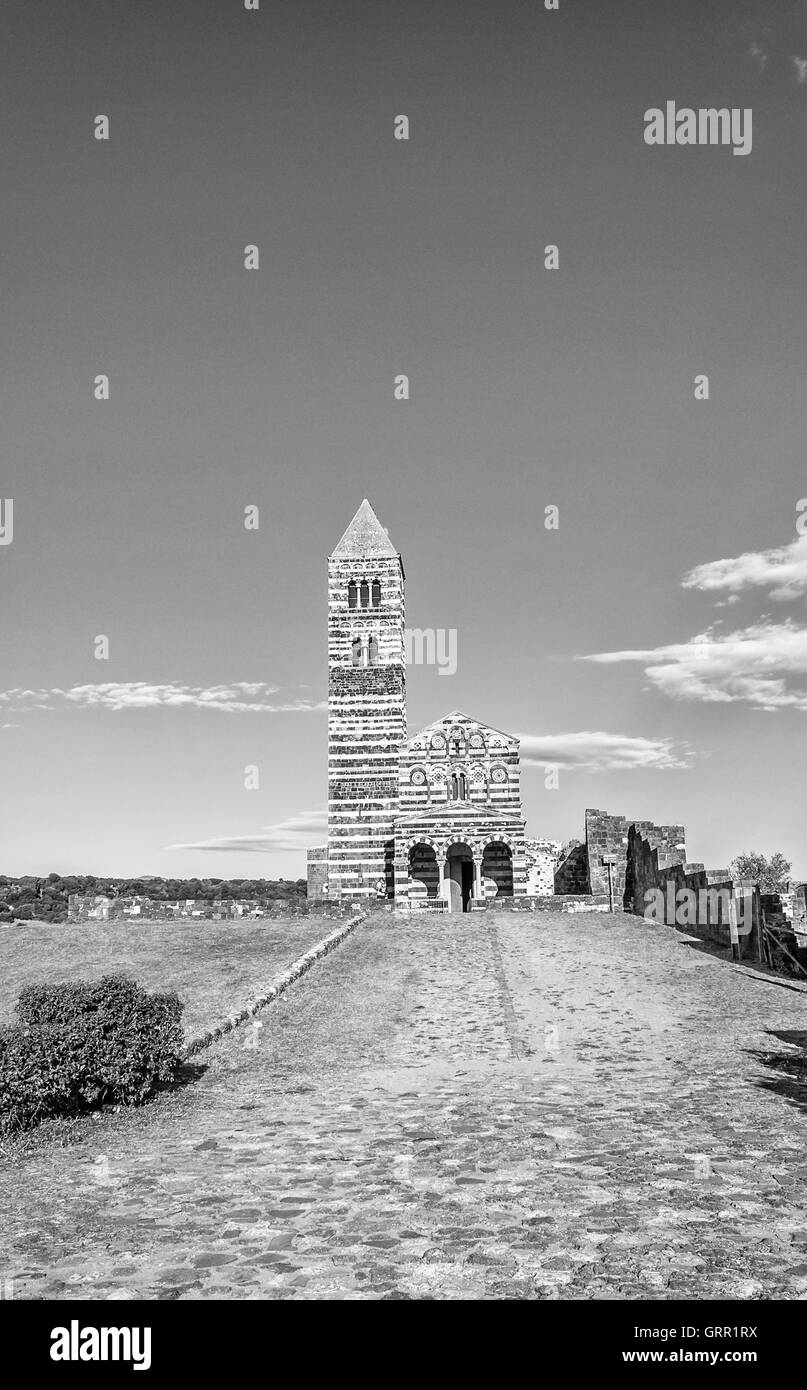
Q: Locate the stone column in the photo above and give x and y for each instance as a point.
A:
(477, 894)
(445, 883)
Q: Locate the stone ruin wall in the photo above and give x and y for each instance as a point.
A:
(652, 871)
(608, 835)
(571, 872)
(800, 909)
(541, 857)
(317, 876)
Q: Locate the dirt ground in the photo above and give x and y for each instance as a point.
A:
(489, 1106)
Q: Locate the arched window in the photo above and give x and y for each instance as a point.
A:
(376, 593)
(356, 649)
(459, 786)
(365, 594)
(352, 594)
(373, 652)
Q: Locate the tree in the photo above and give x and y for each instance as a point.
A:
(771, 875)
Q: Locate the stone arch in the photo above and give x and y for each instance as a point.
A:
(497, 864)
(423, 866)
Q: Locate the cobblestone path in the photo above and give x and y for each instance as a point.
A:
(483, 1106)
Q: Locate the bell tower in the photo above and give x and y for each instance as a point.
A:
(366, 707)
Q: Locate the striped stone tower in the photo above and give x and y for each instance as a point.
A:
(366, 707)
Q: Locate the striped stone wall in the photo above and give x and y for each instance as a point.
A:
(366, 707)
(458, 746)
(460, 785)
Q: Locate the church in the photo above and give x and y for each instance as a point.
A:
(429, 820)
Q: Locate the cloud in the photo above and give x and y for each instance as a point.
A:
(764, 666)
(295, 833)
(238, 697)
(783, 572)
(9, 726)
(800, 64)
(755, 51)
(601, 752)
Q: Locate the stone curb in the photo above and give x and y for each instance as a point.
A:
(294, 972)
(784, 983)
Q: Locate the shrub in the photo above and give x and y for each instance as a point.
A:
(78, 1046)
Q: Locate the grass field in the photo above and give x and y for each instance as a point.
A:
(215, 967)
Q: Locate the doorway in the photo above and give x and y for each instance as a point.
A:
(460, 877)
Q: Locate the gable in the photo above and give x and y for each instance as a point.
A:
(472, 730)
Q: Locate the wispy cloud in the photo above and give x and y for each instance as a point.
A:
(758, 52)
(591, 751)
(783, 572)
(774, 46)
(239, 697)
(295, 833)
(764, 665)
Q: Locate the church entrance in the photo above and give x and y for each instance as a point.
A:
(460, 877)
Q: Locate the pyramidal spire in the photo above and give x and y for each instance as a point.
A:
(364, 536)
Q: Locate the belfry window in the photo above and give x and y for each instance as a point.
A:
(376, 593)
(365, 594)
(357, 649)
(372, 652)
(352, 594)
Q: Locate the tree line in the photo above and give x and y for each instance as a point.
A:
(30, 897)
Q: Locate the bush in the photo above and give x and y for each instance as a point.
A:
(78, 1046)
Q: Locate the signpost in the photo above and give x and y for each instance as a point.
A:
(610, 860)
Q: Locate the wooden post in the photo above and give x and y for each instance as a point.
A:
(733, 933)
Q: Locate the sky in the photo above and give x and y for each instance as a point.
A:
(653, 646)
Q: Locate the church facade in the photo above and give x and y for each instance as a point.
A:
(430, 819)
